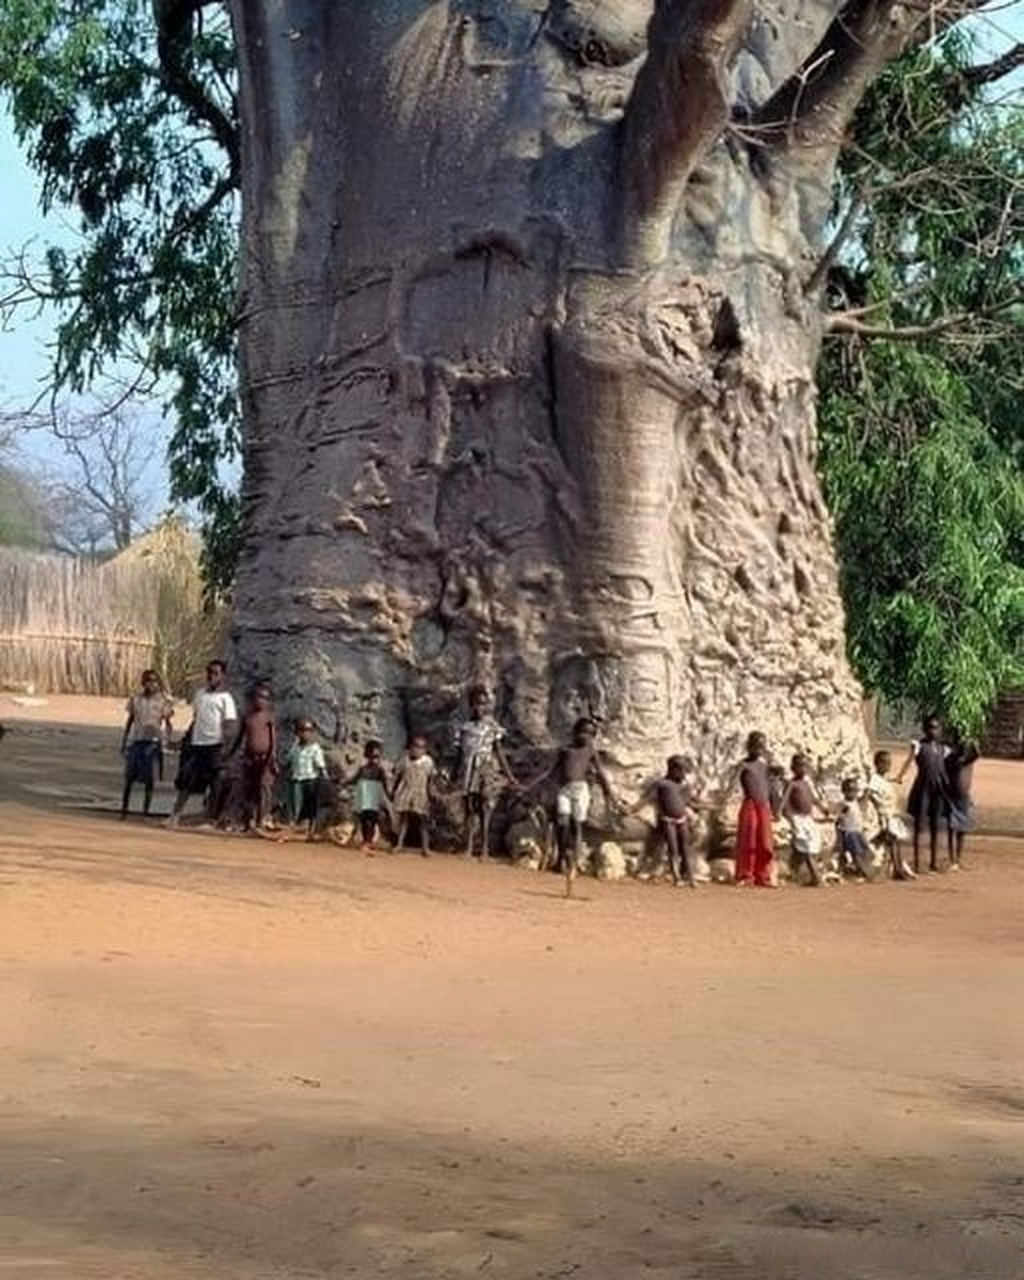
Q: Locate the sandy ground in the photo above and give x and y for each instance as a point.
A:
(226, 1058)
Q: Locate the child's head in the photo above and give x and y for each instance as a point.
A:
(216, 674)
(479, 701)
(677, 768)
(757, 745)
(417, 747)
(931, 727)
(373, 752)
(150, 683)
(800, 766)
(851, 788)
(260, 696)
(883, 763)
(305, 730)
(583, 731)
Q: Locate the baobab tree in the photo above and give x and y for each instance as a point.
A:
(530, 311)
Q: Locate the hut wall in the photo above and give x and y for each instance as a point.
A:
(70, 626)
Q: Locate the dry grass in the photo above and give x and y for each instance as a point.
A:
(70, 626)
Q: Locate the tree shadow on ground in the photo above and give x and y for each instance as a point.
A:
(228, 1192)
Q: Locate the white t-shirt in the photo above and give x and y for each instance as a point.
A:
(210, 713)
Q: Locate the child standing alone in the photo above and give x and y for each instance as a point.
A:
(145, 731)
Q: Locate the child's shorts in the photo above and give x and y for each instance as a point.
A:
(573, 801)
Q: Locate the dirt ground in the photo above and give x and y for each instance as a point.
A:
(233, 1059)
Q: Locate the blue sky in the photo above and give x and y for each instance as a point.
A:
(23, 354)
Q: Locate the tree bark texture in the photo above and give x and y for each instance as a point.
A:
(528, 367)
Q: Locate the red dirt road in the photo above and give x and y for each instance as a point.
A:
(232, 1059)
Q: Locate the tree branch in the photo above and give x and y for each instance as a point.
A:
(677, 111)
(175, 21)
(847, 322)
(813, 108)
(990, 72)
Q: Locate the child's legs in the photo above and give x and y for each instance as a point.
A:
(486, 813)
(765, 848)
(746, 841)
(126, 794)
(674, 842)
(472, 806)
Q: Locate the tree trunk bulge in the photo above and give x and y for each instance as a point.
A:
(528, 367)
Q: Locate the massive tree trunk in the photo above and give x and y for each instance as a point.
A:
(529, 364)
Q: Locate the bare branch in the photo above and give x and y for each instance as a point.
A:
(813, 108)
(175, 21)
(677, 111)
(845, 229)
(963, 324)
(990, 72)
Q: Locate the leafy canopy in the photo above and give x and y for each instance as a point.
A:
(922, 443)
(135, 134)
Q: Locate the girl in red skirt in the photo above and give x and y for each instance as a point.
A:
(755, 843)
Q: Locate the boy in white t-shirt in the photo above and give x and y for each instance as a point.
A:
(213, 727)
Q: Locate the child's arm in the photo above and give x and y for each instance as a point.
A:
(647, 796)
(787, 795)
(547, 774)
(319, 760)
(506, 768)
(127, 728)
(603, 779)
(907, 763)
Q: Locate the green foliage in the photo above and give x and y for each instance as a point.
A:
(922, 442)
(136, 145)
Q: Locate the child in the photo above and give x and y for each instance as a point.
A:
(573, 768)
(306, 766)
(960, 778)
(853, 845)
(412, 793)
(929, 800)
(371, 795)
(145, 731)
(755, 843)
(799, 802)
(480, 767)
(891, 831)
(257, 740)
(673, 798)
(214, 723)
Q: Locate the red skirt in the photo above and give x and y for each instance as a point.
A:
(755, 843)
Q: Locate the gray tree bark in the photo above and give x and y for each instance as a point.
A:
(528, 364)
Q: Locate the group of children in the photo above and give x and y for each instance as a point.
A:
(236, 763)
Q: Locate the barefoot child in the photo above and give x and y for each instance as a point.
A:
(257, 741)
(371, 795)
(412, 794)
(481, 767)
(306, 766)
(960, 777)
(800, 801)
(673, 798)
(573, 768)
(854, 852)
(755, 843)
(929, 802)
(881, 796)
(214, 725)
(145, 732)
